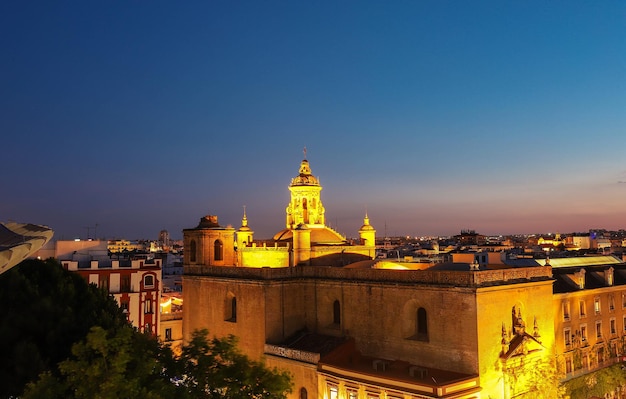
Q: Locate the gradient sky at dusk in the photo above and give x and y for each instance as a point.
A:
(435, 116)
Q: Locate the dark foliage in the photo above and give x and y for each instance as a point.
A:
(46, 310)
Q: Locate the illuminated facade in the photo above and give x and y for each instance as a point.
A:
(590, 313)
(452, 331)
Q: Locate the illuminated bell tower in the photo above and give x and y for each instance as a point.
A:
(244, 233)
(305, 207)
(367, 233)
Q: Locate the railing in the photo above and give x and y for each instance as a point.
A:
(438, 277)
(304, 356)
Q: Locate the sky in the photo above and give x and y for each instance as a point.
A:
(119, 119)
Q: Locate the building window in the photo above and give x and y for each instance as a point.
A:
(352, 393)
(422, 325)
(124, 306)
(104, 282)
(583, 333)
(192, 251)
(624, 301)
(598, 329)
(600, 353)
(148, 281)
(567, 337)
(582, 309)
(147, 328)
(568, 365)
(168, 334)
(336, 313)
(148, 306)
(217, 250)
(333, 392)
(611, 303)
(613, 326)
(566, 310)
(624, 321)
(231, 308)
(596, 305)
(303, 393)
(125, 283)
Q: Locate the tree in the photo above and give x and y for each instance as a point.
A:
(46, 309)
(126, 364)
(119, 363)
(215, 369)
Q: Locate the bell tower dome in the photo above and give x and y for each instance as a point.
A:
(305, 206)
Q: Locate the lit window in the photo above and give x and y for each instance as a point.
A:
(596, 305)
(333, 393)
(352, 393)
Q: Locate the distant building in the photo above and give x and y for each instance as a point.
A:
(135, 285)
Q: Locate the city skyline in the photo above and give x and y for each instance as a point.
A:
(432, 117)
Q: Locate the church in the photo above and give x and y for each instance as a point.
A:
(305, 240)
(364, 333)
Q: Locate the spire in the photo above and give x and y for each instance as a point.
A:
(244, 220)
(366, 223)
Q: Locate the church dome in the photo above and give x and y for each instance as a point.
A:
(319, 235)
(305, 177)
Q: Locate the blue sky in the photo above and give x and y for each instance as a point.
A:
(435, 116)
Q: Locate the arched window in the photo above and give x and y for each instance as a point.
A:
(192, 251)
(336, 313)
(217, 250)
(422, 325)
(148, 281)
(303, 393)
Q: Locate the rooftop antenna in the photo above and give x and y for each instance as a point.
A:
(304, 151)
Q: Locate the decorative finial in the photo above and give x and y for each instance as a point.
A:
(304, 151)
(244, 220)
